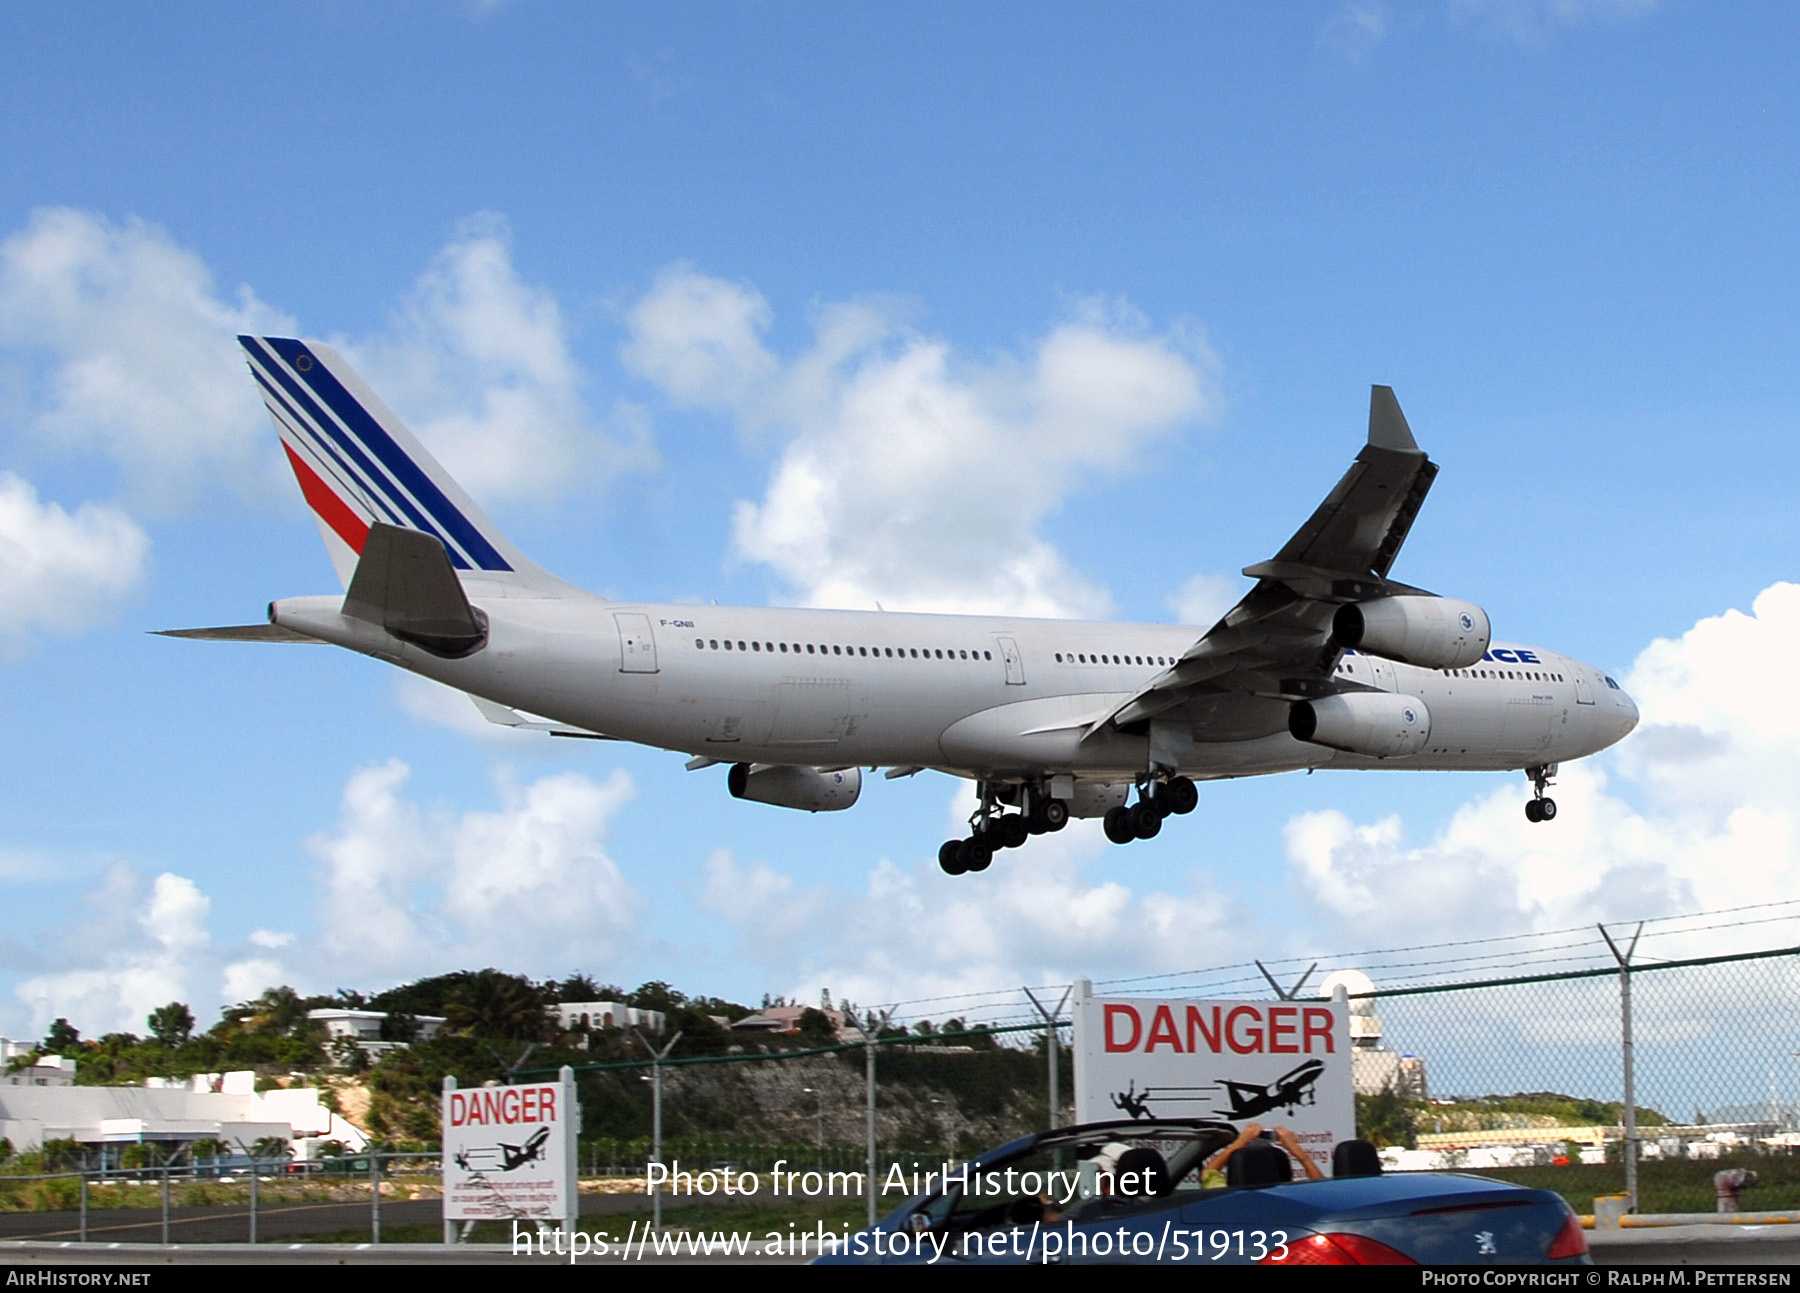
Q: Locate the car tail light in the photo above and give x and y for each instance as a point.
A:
(1569, 1241)
(1339, 1250)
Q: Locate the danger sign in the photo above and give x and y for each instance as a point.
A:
(509, 1151)
(1276, 1063)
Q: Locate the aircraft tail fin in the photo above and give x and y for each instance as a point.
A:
(359, 466)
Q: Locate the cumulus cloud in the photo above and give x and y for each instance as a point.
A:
(125, 347)
(1712, 765)
(912, 932)
(477, 360)
(63, 572)
(130, 353)
(910, 476)
(141, 944)
(408, 891)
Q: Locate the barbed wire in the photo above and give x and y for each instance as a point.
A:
(1570, 948)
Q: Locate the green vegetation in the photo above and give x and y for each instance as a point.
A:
(1665, 1185)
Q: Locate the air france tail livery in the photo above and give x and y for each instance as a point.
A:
(1326, 662)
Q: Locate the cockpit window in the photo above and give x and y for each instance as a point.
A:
(1612, 684)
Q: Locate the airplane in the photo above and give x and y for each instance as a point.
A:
(516, 1156)
(1292, 1089)
(1325, 663)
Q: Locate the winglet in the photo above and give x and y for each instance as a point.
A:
(1387, 424)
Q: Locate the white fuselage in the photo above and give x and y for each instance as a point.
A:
(987, 697)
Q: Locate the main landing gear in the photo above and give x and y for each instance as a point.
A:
(1156, 800)
(1540, 807)
(990, 830)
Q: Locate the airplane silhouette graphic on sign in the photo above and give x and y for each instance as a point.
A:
(1292, 1089)
(511, 1157)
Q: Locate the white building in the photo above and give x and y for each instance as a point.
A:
(595, 1015)
(209, 1106)
(364, 1028)
(1374, 1068)
(46, 1070)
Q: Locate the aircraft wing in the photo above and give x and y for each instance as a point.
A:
(1276, 642)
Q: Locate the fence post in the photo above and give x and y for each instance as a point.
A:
(253, 1198)
(656, 1059)
(1054, 1048)
(84, 1202)
(1630, 1061)
(449, 1225)
(165, 1205)
(374, 1196)
(876, 1024)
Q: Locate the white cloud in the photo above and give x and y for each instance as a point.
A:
(1204, 599)
(409, 892)
(477, 360)
(913, 932)
(133, 354)
(61, 572)
(141, 946)
(1356, 28)
(1714, 763)
(911, 477)
(129, 350)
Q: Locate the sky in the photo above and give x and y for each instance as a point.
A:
(1043, 309)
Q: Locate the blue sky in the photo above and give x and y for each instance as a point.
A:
(640, 276)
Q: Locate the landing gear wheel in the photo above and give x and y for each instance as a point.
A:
(1146, 821)
(1013, 831)
(1055, 813)
(1546, 810)
(1118, 825)
(977, 854)
(1180, 795)
(1534, 810)
(950, 858)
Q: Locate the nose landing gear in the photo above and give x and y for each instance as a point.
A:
(1540, 807)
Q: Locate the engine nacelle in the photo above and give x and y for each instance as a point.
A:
(1376, 723)
(1432, 632)
(789, 787)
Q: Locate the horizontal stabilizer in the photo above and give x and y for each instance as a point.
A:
(505, 716)
(404, 582)
(238, 633)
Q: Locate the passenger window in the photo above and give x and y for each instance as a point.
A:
(862, 650)
(809, 649)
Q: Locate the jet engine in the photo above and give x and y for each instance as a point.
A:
(1432, 632)
(810, 789)
(1376, 723)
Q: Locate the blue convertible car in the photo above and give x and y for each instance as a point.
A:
(1142, 1192)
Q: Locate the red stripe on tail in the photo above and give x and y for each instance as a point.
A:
(347, 525)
